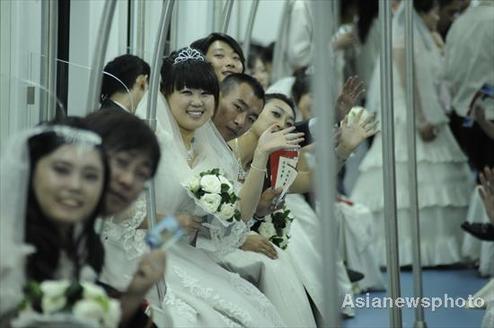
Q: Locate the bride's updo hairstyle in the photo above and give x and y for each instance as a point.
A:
(187, 68)
(81, 244)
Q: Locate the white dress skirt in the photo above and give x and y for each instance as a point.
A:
(358, 245)
(199, 293)
(444, 184)
(304, 249)
(473, 248)
(278, 280)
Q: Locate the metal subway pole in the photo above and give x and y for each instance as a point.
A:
(412, 163)
(389, 174)
(326, 159)
(49, 37)
(250, 27)
(137, 27)
(227, 14)
(96, 75)
(154, 82)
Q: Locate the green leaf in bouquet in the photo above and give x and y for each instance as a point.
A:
(237, 216)
(33, 295)
(224, 188)
(73, 294)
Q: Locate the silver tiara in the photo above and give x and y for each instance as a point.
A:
(73, 135)
(188, 54)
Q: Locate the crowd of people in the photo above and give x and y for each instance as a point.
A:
(75, 186)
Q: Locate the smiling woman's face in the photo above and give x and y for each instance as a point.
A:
(68, 182)
(191, 108)
(276, 112)
(224, 59)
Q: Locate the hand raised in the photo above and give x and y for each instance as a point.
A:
(272, 140)
(349, 96)
(354, 132)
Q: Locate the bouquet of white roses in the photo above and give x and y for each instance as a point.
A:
(215, 194)
(59, 303)
(276, 227)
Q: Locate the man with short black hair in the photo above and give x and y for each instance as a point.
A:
(241, 102)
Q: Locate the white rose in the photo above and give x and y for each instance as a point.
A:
(53, 295)
(53, 288)
(266, 229)
(211, 202)
(211, 183)
(194, 184)
(352, 115)
(88, 309)
(112, 318)
(227, 211)
(92, 290)
(52, 304)
(224, 180)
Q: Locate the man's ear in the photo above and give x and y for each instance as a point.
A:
(142, 81)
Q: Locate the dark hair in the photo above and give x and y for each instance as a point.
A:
(42, 232)
(424, 6)
(204, 44)
(301, 86)
(267, 53)
(367, 10)
(122, 131)
(236, 79)
(444, 3)
(253, 56)
(126, 68)
(270, 96)
(191, 73)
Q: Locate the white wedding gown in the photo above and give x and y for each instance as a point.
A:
(199, 291)
(304, 249)
(444, 183)
(277, 279)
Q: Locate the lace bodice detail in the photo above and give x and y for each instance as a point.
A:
(125, 230)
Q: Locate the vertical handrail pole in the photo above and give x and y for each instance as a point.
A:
(137, 27)
(49, 39)
(250, 27)
(165, 20)
(227, 14)
(412, 163)
(389, 174)
(97, 65)
(326, 168)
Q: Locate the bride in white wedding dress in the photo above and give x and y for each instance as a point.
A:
(199, 291)
(444, 185)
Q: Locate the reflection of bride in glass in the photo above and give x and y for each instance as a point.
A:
(199, 291)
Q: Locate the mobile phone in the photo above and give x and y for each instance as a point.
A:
(306, 127)
(164, 234)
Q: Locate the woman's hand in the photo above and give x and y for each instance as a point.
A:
(150, 270)
(349, 96)
(487, 191)
(189, 223)
(428, 132)
(353, 133)
(259, 244)
(268, 202)
(272, 140)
